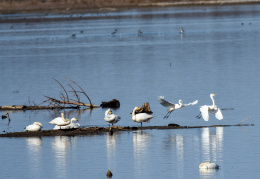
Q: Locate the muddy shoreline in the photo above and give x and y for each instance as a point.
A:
(83, 131)
(63, 7)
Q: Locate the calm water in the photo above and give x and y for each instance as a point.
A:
(218, 53)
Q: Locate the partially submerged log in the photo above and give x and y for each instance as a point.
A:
(24, 107)
(63, 103)
(114, 103)
(99, 130)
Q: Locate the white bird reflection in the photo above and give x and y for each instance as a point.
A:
(212, 144)
(111, 149)
(60, 145)
(34, 145)
(141, 142)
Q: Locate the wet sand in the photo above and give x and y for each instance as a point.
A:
(99, 130)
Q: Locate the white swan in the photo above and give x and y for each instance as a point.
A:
(69, 126)
(61, 121)
(171, 106)
(36, 126)
(111, 118)
(204, 110)
(208, 165)
(141, 117)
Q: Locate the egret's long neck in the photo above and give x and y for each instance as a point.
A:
(213, 101)
(106, 113)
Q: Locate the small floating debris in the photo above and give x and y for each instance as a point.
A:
(109, 174)
(173, 125)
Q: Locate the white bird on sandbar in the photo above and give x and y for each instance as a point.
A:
(61, 121)
(204, 110)
(111, 118)
(36, 126)
(72, 125)
(208, 165)
(141, 117)
(171, 106)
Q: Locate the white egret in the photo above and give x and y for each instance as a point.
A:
(36, 126)
(111, 118)
(208, 165)
(171, 106)
(61, 121)
(141, 117)
(205, 109)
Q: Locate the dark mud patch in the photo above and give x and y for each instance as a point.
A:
(99, 130)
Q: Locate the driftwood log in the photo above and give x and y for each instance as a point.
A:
(98, 130)
(114, 103)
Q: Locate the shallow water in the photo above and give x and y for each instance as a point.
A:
(218, 53)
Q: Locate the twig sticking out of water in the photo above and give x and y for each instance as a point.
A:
(5, 116)
(243, 121)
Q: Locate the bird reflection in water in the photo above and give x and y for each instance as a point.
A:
(141, 143)
(34, 145)
(60, 146)
(111, 141)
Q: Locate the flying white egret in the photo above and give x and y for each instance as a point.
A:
(36, 126)
(111, 118)
(141, 117)
(208, 165)
(171, 106)
(204, 110)
(61, 121)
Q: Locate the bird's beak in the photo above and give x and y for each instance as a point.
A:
(215, 94)
(76, 119)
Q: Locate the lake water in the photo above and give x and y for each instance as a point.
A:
(218, 53)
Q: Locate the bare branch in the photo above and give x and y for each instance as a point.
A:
(62, 87)
(82, 92)
(75, 92)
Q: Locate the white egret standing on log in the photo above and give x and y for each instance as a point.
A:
(141, 117)
(61, 121)
(204, 110)
(171, 106)
(36, 126)
(111, 118)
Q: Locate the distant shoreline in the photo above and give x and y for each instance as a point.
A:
(88, 6)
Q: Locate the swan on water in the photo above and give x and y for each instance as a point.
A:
(208, 165)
